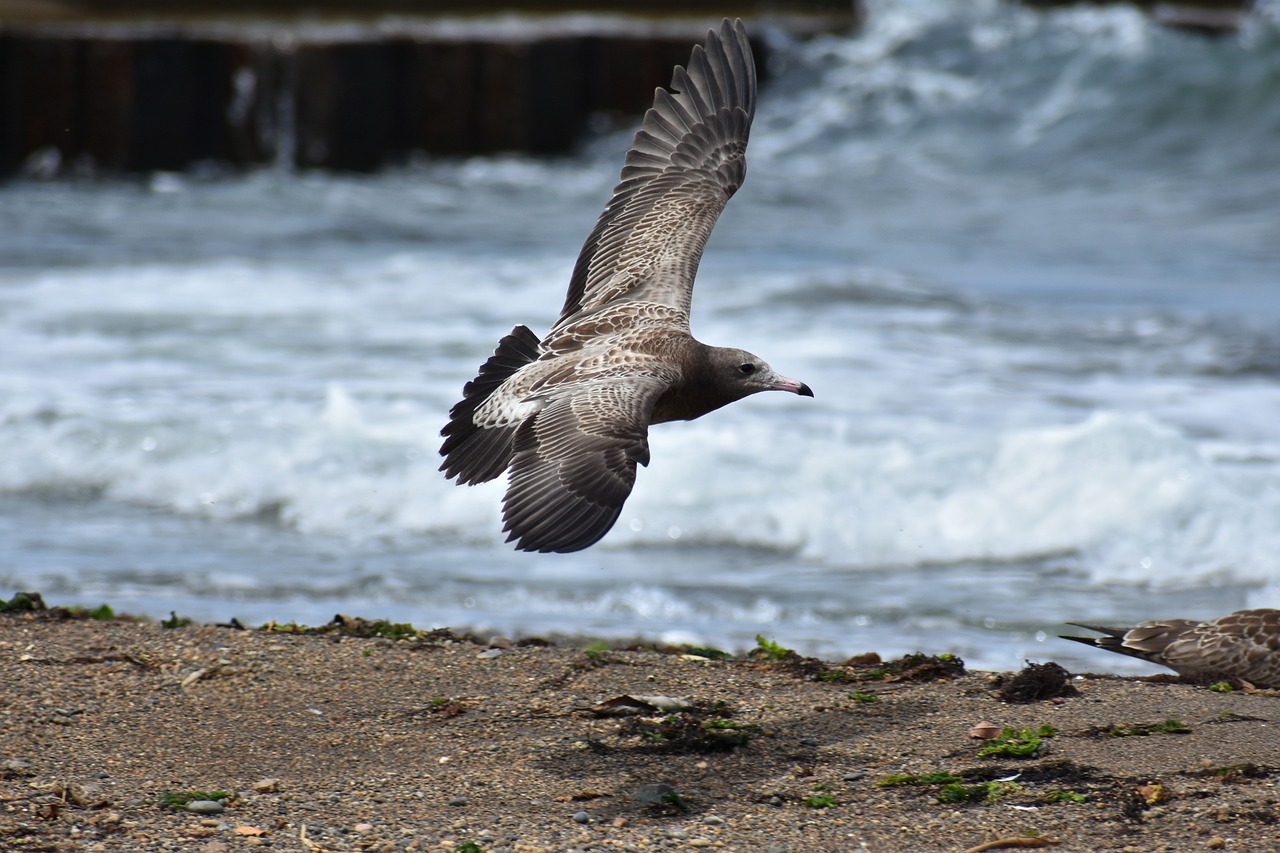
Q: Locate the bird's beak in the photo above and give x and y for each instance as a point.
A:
(784, 384)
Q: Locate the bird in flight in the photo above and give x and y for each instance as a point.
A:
(1244, 645)
(569, 414)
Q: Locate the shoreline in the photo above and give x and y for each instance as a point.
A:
(433, 741)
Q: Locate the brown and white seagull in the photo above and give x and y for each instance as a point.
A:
(569, 415)
(1244, 645)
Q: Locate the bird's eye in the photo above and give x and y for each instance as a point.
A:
(746, 368)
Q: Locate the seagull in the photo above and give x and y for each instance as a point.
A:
(569, 415)
(1244, 645)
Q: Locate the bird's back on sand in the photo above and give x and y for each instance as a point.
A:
(1244, 645)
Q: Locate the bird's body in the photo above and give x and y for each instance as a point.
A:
(1244, 645)
(569, 414)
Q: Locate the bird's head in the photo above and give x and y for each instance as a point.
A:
(743, 373)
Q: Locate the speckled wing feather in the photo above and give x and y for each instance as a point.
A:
(575, 461)
(686, 161)
(1243, 645)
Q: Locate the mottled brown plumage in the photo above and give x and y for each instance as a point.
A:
(1244, 645)
(569, 415)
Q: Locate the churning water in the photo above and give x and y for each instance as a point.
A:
(1029, 263)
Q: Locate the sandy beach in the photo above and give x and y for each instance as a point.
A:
(416, 741)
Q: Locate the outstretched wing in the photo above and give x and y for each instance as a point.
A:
(687, 160)
(575, 462)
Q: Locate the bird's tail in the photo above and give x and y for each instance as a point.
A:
(472, 454)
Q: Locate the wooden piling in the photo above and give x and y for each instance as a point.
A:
(122, 96)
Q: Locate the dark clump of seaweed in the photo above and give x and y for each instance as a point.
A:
(912, 667)
(777, 655)
(31, 605)
(696, 729)
(1035, 683)
(23, 602)
(1163, 727)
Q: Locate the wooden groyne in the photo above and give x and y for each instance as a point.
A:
(143, 85)
(119, 95)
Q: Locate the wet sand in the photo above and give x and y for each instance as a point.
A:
(434, 741)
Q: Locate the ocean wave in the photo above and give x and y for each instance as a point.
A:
(1097, 93)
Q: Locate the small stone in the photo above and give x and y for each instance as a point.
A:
(582, 817)
(266, 786)
(458, 801)
(1216, 843)
(489, 653)
(500, 643)
(656, 794)
(699, 842)
(363, 828)
(714, 820)
(775, 800)
(854, 776)
(206, 807)
(90, 795)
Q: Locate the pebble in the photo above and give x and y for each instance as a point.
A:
(582, 817)
(714, 820)
(458, 801)
(206, 807)
(854, 776)
(489, 653)
(654, 794)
